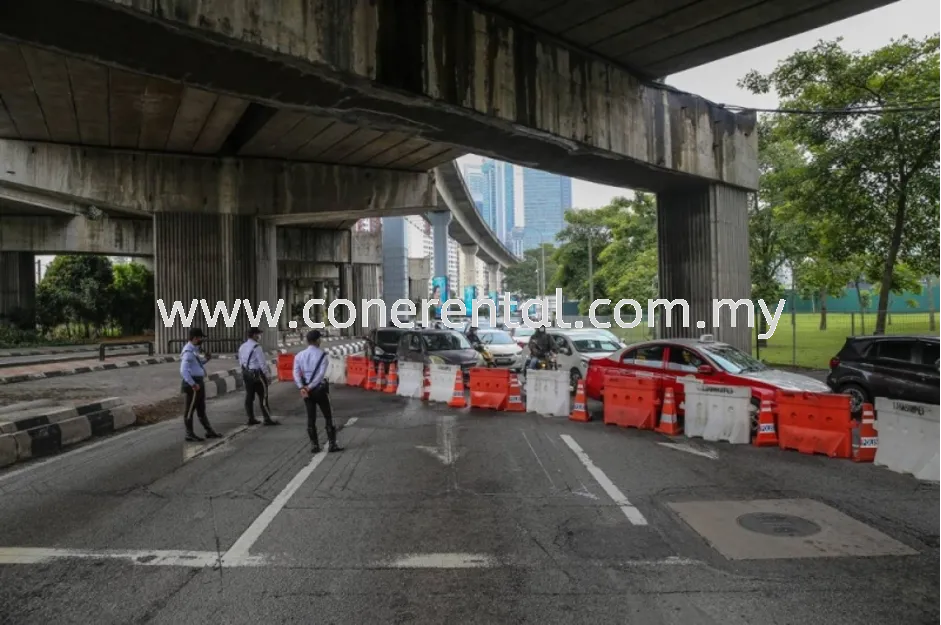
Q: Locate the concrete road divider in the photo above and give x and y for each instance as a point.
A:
(547, 393)
(411, 378)
(715, 412)
(336, 371)
(908, 438)
(631, 401)
(815, 423)
(44, 430)
(442, 382)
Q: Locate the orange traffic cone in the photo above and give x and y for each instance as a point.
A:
(392, 384)
(669, 422)
(426, 384)
(370, 377)
(767, 434)
(457, 397)
(380, 377)
(580, 408)
(865, 449)
(515, 397)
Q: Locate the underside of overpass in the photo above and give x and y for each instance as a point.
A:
(223, 120)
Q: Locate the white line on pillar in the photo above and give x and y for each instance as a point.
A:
(633, 514)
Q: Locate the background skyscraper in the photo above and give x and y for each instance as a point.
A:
(546, 199)
(492, 187)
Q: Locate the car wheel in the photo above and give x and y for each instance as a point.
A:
(574, 376)
(858, 397)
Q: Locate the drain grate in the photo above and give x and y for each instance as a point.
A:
(775, 524)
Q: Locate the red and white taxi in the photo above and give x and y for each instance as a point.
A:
(671, 360)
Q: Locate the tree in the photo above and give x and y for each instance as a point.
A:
(571, 257)
(878, 174)
(522, 278)
(629, 262)
(133, 289)
(77, 288)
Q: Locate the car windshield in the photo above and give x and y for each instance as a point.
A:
(442, 341)
(733, 360)
(496, 338)
(588, 345)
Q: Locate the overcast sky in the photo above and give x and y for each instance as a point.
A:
(717, 81)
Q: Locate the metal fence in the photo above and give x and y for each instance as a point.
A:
(801, 340)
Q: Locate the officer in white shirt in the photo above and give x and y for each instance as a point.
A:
(193, 372)
(255, 376)
(310, 369)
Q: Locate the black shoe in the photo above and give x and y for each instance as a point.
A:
(270, 422)
(253, 421)
(213, 434)
(315, 448)
(192, 438)
(334, 448)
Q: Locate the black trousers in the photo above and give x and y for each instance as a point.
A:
(195, 402)
(311, 403)
(256, 385)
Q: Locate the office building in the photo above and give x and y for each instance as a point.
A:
(491, 187)
(546, 199)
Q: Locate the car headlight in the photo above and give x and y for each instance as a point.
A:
(436, 360)
(380, 351)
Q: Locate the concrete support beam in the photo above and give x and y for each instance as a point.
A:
(366, 285)
(444, 70)
(77, 235)
(419, 276)
(703, 255)
(366, 248)
(468, 267)
(440, 220)
(220, 257)
(345, 291)
(394, 260)
(148, 183)
(493, 283)
(17, 282)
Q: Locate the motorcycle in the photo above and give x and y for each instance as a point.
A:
(551, 362)
(486, 355)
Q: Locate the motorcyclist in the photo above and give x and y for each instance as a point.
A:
(473, 337)
(540, 346)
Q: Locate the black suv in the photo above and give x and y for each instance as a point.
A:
(895, 367)
(382, 345)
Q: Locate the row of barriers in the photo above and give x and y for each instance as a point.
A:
(904, 437)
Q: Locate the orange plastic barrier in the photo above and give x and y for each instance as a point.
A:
(489, 388)
(630, 401)
(285, 367)
(814, 423)
(357, 370)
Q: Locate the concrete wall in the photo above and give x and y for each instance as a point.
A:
(62, 235)
(17, 282)
(367, 248)
(703, 255)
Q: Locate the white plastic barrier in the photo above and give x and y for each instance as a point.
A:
(908, 438)
(336, 370)
(442, 382)
(717, 413)
(547, 393)
(411, 379)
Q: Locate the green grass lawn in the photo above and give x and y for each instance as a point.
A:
(813, 347)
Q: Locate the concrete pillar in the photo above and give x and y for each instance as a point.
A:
(440, 220)
(493, 278)
(319, 312)
(394, 260)
(345, 291)
(17, 282)
(468, 268)
(366, 286)
(703, 255)
(290, 293)
(215, 257)
(286, 311)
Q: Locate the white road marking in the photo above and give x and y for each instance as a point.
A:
(241, 547)
(439, 561)
(447, 441)
(633, 514)
(193, 559)
(152, 429)
(705, 453)
(536, 456)
(351, 421)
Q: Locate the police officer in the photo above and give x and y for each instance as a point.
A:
(310, 369)
(255, 376)
(193, 372)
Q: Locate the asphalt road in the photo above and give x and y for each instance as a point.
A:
(435, 515)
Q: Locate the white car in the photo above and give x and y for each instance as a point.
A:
(608, 334)
(505, 351)
(577, 349)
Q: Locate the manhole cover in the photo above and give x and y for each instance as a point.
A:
(774, 524)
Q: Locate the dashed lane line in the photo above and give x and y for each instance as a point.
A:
(632, 513)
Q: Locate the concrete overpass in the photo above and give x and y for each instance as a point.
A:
(320, 112)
